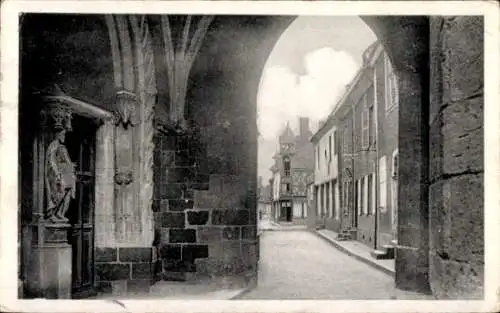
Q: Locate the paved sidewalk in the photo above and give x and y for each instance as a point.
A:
(357, 250)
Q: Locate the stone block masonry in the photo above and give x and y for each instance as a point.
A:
(121, 270)
(456, 158)
(203, 226)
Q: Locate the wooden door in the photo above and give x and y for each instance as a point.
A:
(81, 146)
(353, 208)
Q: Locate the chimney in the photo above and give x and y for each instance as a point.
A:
(304, 126)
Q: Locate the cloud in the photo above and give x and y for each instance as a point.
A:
(285, 95)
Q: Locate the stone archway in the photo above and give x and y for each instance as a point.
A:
(409, 42)
(406, 41)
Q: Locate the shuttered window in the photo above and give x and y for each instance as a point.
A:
(383, 183)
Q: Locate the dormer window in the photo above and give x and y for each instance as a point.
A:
(286, 166)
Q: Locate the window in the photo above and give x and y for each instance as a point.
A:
(365, 195)
(337, 200)
(364, 123)
(344, 195)
(329, 158)
(334, 204)
(317, 153)
(323, 200)
(330, 148)
(318, 200)
(335, 143)
(327, 196)
(371, 117)
(286, 165)
(371, 206)
(362, 198)
(391, 86)
(383, 184)
(374, 199)
(287, 185)
(358, 197)
(332, 200)
(395, 165)
(346, 138)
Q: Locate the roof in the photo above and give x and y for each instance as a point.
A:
(287, 136)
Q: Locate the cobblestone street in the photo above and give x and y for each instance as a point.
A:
(300, 265)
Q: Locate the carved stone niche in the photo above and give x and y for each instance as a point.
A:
(59, 170)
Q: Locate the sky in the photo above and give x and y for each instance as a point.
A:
(306, 73)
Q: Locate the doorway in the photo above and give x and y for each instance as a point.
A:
(81, 147)
(286, 211)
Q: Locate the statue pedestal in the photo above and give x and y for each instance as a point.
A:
(51, 264)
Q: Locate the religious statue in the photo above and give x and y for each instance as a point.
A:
(60, 178)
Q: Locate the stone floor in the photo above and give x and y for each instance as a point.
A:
(297, 264)
(169, 290)
(266, 224)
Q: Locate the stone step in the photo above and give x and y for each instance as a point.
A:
(353, 233)
(389, 250)
(343, 237)
(378, 254)
(386, 253)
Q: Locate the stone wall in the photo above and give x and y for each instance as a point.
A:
(123, 270)
(205, 217)
(175, 177)
(456, 160)
(205, 202)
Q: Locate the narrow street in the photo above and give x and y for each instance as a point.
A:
(296, 264)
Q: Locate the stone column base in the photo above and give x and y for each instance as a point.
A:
(53, 272)
(50, 268)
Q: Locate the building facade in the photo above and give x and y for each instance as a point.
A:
(356, 155)
(292, 167)
(264, 201)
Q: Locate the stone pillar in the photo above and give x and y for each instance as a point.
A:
(412, 255)
(105, 187)
(456, 163)
(124, 230)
